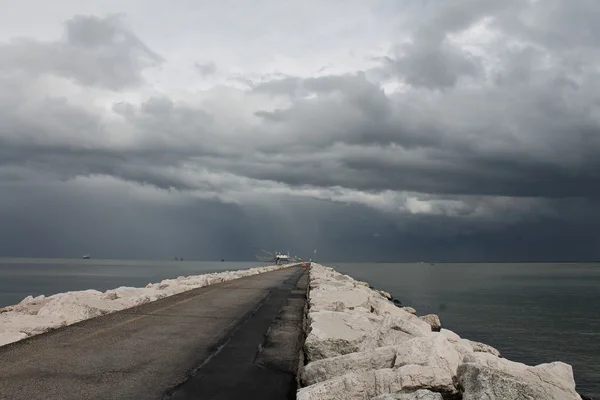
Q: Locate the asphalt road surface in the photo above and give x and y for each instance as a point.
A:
(237, 339)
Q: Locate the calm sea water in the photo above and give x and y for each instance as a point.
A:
(533, 313)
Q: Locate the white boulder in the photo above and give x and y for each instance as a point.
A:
(462, 346)
(421, 394)
(448, 334)
(394, 330)
(335, 298)
(26, 300)
(110, 295)
(352, 386)
(433, 351)
(412, 377)
(335, 333)
(72, 307)
(409, 310)
(381, 306)
(484, 348)
(385, 294)
(324, 369)
(485, 376)
(434, 321)
(368, 384)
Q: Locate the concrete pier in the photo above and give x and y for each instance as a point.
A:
(232, 339)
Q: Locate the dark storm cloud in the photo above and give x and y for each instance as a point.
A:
(430, 60)
(526, 141)
(93, 51)
(469, 157)
(377, 143)
(437, 67)
(66, 220)
(531, 131)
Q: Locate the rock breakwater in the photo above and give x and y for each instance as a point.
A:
(360, 345)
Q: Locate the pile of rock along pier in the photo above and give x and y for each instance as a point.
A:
(360, 345)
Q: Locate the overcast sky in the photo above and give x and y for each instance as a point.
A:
(457, 130)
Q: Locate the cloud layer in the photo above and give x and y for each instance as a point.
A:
(372, 136)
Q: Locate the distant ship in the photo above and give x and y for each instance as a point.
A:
(86, 256)
(276, 257)
(282, 258)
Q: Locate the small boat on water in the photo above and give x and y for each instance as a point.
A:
(86, 256)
